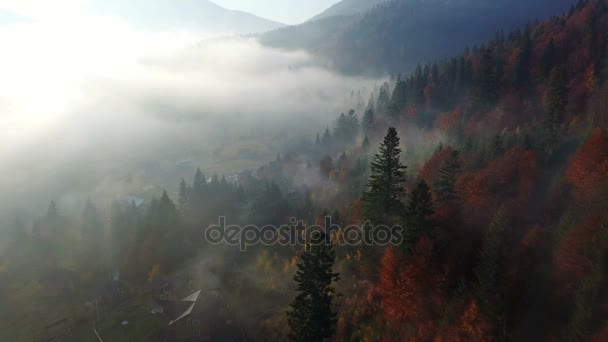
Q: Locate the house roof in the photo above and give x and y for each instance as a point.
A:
(191, 302)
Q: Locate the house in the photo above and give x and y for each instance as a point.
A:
(197, 317)
(162, 288)
(132, 200)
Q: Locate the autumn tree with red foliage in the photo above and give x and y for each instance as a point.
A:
(588, 171)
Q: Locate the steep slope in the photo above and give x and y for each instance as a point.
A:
(348, 7)
(196, 15)
(394, 37)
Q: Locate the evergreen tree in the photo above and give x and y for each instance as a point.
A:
(312, 316)
(522, 64)
(495, 149)
(488, 270)
(365, 144)
(368, 121)
(167, 215)
(418, 211)
(488, 79)
(398, 100)
(326, 137)
(547, 60)
(199, 185)
(446, 182)
(383, 98)
(184, 195)
(557, 97)
(386, 184)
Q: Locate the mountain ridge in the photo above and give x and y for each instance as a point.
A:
(196, 15)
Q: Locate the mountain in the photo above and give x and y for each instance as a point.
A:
(197, 15)
(394, 37)
(348, 7)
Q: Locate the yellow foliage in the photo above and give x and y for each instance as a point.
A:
(154, 272)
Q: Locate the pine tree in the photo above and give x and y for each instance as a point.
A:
(326, 137)
(445, 185)
(398, 100)
(368, 121)
(522, 64)
(488, 270)
(167, 212)
(386, 184)
(488, 80)
(495, 149)
(547, 60)
(184, 195)
(557, 97)
(312, 316)
(418, 211)
(198, 188)
(365, 144)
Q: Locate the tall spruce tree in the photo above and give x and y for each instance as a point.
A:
(445, 185)
(368, 121)
(547, 59)
(184, 196)
(326, 137)
(557, 97)
(488, 80)
(382, 200)
(492, 252)
(495, 149)
(418, 211)
(312, 316)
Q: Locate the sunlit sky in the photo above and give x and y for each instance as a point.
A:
(52, 51)
(285, 11)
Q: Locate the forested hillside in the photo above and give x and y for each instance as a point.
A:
(494, 162)
(395, 36)
(348, 7)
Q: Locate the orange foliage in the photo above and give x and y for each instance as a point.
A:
(590, 79)
(507, 180)
(409, 290)
(472, 326)
(447, 122)
(475, 326)
(588, 170)
(601, 336)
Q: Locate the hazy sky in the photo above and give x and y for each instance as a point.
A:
(285, 11)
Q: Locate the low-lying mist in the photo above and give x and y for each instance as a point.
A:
(91, 108)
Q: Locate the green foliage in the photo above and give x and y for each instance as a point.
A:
(326, 137)
(488, 79)
(492, 252)
(521, 78)
(418, 213)
(557, 97)
(347, 127)
(496, 148)
(445, 184)
(367, 124)
(386, 189)
(312, 316)
(547, 60)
